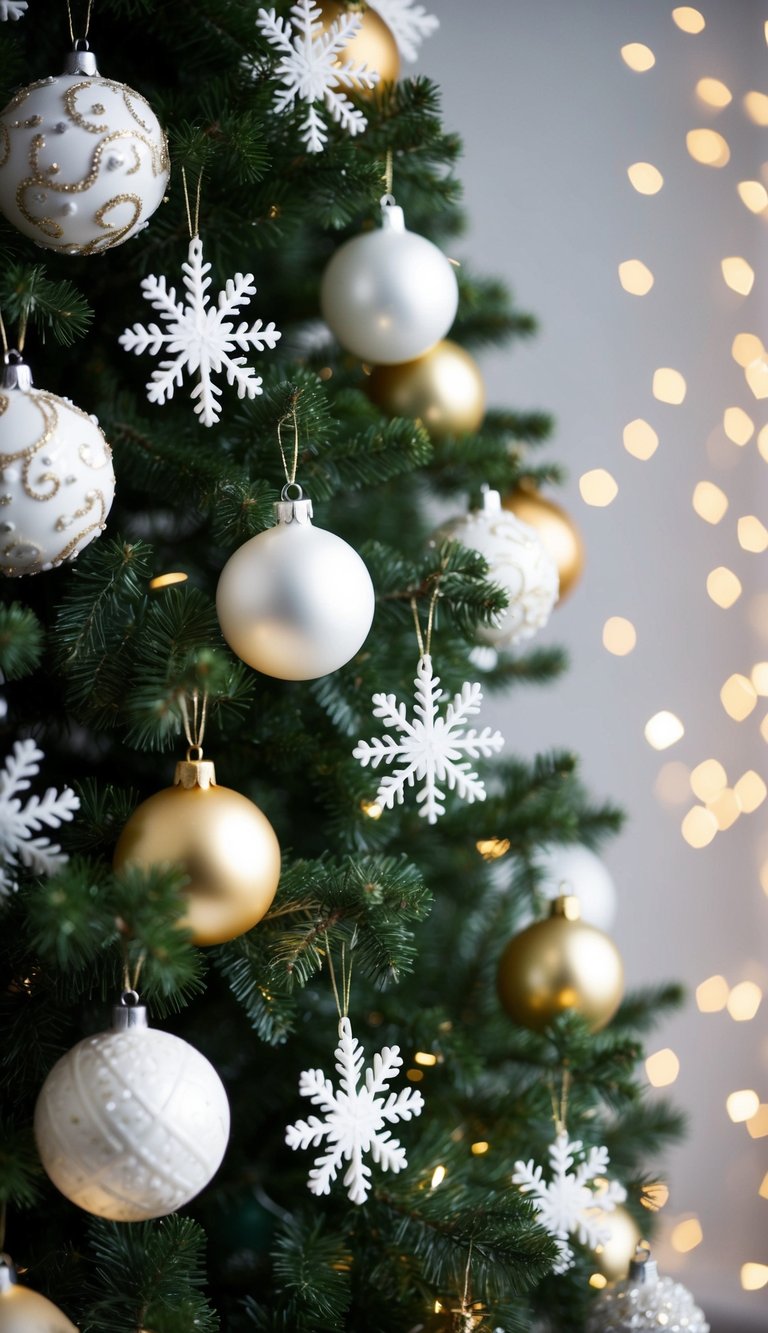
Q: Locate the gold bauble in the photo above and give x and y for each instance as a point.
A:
(614, 1256)
(557, 531)
(373, 45)
(558, 965)
(443, 389)
(223, 841)
(25, 1311)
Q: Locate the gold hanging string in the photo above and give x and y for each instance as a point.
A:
(425, 640)
(22, 338)
(389, 172)
(342, 999)
(131, 980)
(193, 223)
(560, 1102)
(87, 21)
(290, 415)
(194, 726)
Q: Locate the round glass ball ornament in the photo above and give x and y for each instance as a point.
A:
(643, 1302)
(57, 483)
(517, 560)
(443, 390)
(225, 843)
(557, 530)
(573, 868)
(373, 45)
(132, 1123)
(560, 965)
(23, 1310)
(389, 294)
(83, 159)
(295, 602)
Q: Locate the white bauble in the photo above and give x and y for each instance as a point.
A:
(644, 1301)
(575, 869)
(390, 294)
(296, 601)
(132, 1123)
(56, 478)
(25, 1311)
(83, 160)
(517, 561)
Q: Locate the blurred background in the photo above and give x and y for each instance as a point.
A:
(556, 101)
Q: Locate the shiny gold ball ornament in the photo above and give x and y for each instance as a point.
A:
(373, 45)
(614, 1255)
(557, 532)
(225, 843)
(558, 965)
(443, 390)
(25, 1311)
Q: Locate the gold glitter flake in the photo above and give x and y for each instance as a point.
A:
(70, 98)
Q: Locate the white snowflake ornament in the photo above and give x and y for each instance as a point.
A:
(572, 1203)
(312, 70)
(354, 1119)
(408, 23)
(428, 747)
(12, 9)
(18, 823)
(200, 338)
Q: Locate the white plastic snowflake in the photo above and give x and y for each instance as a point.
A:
(570, 1204)
(312, 71)
(201, 338)
(354, 1118)
(12, 9)
(19, 822)
(409, 24)
(429, 747)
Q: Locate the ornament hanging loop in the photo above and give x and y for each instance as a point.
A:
(425, 640)
(79, 43)
(193, 221)
(194, 725)
(290, 470)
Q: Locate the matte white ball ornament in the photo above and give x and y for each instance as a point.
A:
(57, 483)
(83, 160)
(23, 1310)
(132, 1123)
(517, 561)
(573, 868)
(389, 295)
(295, 602)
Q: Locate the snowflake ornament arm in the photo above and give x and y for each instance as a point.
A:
(200, 338)
(409, 24)
(568, 1204)
(19, 822)
(12, 9)
(429, 748)
(354, 1118)
(312, 69)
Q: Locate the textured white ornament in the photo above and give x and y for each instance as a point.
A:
(132, 1124)
(25, 1311)
(429, 748)
(517, 561)
(295, 602)
(409, 24)
(644, 1302)
(312, 68)
(354, 1119)
(571, 1203)
(21, 840)
(56, 478)
(389, 295)
(83, 160)
(573, 868)
(200, 338)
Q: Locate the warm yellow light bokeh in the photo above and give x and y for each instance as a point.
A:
(763, 1190)
(757, 1124)
(750, 791)
(709, 502)
(426, 1058)
(708, 780)
(759, 675)
(640, 439)
(738, 425)
(754, 1276)
(663, 729)
(756, 107)
(669, 385)
(635, 277)
(645, 177)
(655, 1197)
(753, 195)
(753, 535)
(687, 1235)
(492, 848)
(723, 587)
(372, 809)
(619, 636)
(662, 1068)
(598, 487)
(638, 56)
(762, 443)
(746, 348)
(699, 827)
(714, 92)
(480, 1147)
(744, 1001)
(708, 147)
(738, 274)
(689, 19)
(168, 580)
(672, 785)
(725, 808)
(756, 375)
(742, 1105)
(438, 1176)
(738, 696)
(712, 995)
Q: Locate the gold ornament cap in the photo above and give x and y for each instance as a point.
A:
(192, 773)
(566, 905)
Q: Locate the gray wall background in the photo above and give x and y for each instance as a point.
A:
(551, 118)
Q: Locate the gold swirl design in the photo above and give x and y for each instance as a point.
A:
(77, 117)
(129, 96)
(67, 520)
(98, 525)
(22, 96)
(45, 404)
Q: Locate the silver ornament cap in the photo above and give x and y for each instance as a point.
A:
(80, 60)
(16, 373)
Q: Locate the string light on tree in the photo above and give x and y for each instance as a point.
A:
(23, 1310)
(86, 161)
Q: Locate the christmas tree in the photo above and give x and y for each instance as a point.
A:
(454, 1110)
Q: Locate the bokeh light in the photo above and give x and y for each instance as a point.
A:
(738, 274)
(750, 791)
(738, 425)
(754, 1276)
(738, 697)
(709, 501)
(712, 995)
(756, 375)
(645, 177)
(662, 1068)
(689, 19)
(663, 729)
(756, 107)
(673, 783)
(744, 1001)
(714, 92)
(699, 827)
(753, 535)
(598, 487)
(638, 56)
(753, 195)
(708, 147)
(686, 1235)
(619, 636)
(669, 385)
(742, 1105)
(635, 277)
(746, 348)
(708, 780)
(723, 587)
(640, 439)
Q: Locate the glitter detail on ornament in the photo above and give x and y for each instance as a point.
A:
(644, 1301)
